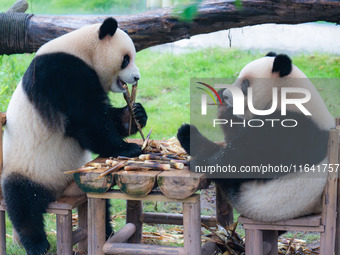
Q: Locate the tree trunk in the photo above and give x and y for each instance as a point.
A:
(161, 26)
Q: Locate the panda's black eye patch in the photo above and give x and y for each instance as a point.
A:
(244, 86)
(126, 61)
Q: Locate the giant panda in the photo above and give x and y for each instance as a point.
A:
(287, 195)
(58, 114)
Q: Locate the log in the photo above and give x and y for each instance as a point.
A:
(135, 183)
(173, 219)
(78, 235)
(122, 235)
(88, 182)
(161, 26)
(180, 184)
(141, 249)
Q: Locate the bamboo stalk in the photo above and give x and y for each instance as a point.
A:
(146, 142)
(127, 98)
(133, 99)
(112, 169)
(146, 166)
(80, 170)
(173, 164)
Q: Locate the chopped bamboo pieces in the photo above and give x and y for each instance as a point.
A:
(162, 156)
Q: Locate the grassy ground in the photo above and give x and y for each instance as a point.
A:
(164, 92)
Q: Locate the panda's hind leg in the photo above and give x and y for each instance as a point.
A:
(26, 202)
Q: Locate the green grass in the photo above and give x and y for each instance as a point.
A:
(164, 92)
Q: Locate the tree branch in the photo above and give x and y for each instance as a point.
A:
(160, 26)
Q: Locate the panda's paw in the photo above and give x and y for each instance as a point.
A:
(140, 114)
(183, 136)
(40, 248)
(131, 150)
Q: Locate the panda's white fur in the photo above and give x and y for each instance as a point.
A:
(291, 195)
(42, 153)
(60, 112)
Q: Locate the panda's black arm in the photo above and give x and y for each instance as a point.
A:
(124, 115)
(190, 135)
(67, 92)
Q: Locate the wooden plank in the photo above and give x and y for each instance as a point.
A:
(63, 203)
(209, 248)
(173, 219)
(82, 224)
(329, 211)
(2, 233)
(224, 210)
(254, 242)
(310, 221)
(96, 224)
(64, 234)
(141, 249)
(134, 211)
(67, 203)
(153, 196)
(122, 235)
(88, 182)
(287, 227)
(136, 183)
(180, 184)
(192, 228)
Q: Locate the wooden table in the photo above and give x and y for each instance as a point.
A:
(135, 187)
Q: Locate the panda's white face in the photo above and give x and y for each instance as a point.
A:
(259, 76)
(114, 61)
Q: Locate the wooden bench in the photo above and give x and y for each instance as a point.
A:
(66, 238)
(327, 223)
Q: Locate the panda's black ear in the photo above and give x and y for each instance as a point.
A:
(109, 27)
(271, 54)
(282, 64)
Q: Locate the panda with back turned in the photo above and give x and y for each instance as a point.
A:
(286, 196)
(58, 114)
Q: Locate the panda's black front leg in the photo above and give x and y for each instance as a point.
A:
(26, 202)
(204, 147)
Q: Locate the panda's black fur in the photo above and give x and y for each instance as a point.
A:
(279, 145)
(65, 98)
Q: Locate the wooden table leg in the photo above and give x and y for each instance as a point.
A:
(271, 237)
(254, 242)
(82, 223)
(64, 234)
(192, 228)
(224, 211)
(2, 233)
(96, 225)
(134, 211)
